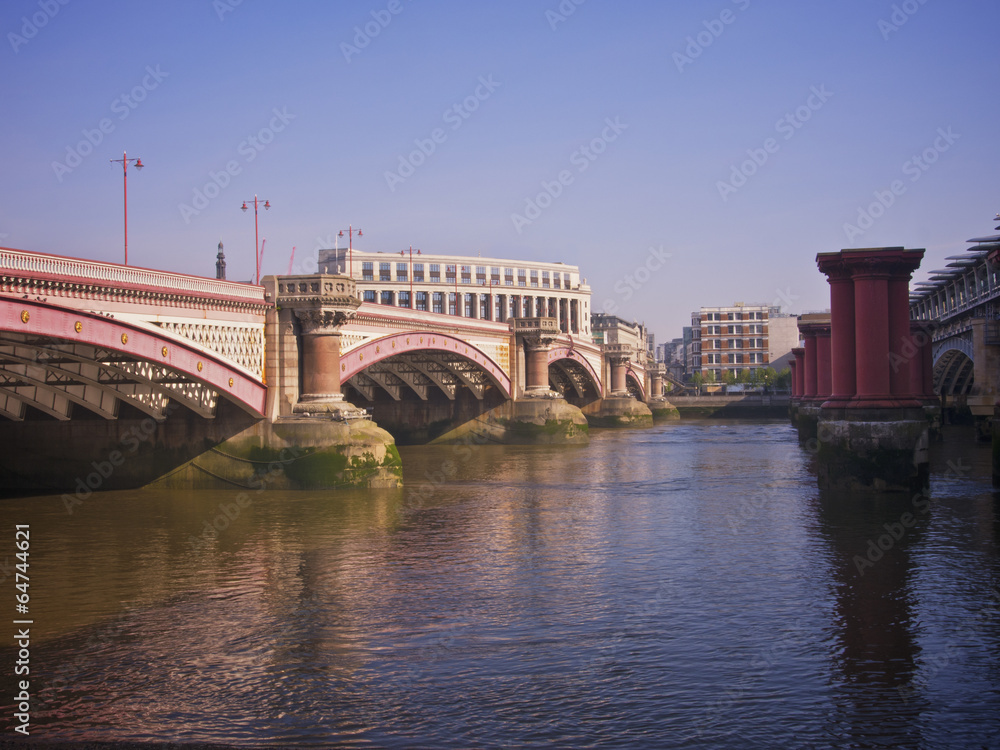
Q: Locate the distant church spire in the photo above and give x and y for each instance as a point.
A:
(220, 263)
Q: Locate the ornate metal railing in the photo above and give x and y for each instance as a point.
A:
(42, 265)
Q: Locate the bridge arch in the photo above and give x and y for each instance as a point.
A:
(571, 373)
(954, 370)
(53, 356)
(634, 383)
(421, 361)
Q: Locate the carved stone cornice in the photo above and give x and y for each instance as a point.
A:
(537, 333)
(322, 321)
(317, 290)
(619, 354)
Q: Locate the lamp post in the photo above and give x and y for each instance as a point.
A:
(403, 252)
(350, 247)
(138, 165)
(256, 245)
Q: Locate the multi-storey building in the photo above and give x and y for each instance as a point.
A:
(692, 345)
(783, 336)
(466, 286)
(734, 338)
(610, 329)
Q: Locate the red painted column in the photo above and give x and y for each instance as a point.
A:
(871, 330)
(922, 372)
(902, 354)
(793, 365)
(536, 367)
(916, 362)
(800, 370)
(843, 376)
(321, 365)
(823, 372)
(619, 369)
(809, 383)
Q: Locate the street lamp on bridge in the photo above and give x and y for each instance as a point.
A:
(256, 242)
(403, 252)
(138, 165)
(350, 247)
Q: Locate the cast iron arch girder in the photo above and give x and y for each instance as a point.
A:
(60, 363)
(458, 350)
(21, 319)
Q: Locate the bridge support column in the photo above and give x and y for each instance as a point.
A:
(878, 440)
(540, 414)
(658, 404)
(843, 366)
(619, 373)
(619, 408)
(815, 331)
(321, 364)
(314, 439)
(798, 368)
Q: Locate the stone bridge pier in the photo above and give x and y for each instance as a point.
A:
(333, 442)
(658, 403)
(622, 407)
(872, 432)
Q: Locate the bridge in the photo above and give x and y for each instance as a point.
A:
(113, 375)
(961, 302)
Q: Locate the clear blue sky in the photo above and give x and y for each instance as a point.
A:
(533, 86)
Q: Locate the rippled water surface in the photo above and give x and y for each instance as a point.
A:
(686, 585)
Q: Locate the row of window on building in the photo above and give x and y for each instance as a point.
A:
(735, 329)
(478, 306)
(718, 317)
(733, 344)
(464, 275)
(739, 358)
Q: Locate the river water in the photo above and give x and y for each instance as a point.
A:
(681, 586)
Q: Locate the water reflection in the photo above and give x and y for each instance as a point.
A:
(685, 585)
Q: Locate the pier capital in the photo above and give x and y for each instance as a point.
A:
(322, 321)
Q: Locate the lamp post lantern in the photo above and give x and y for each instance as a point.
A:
(256, 243)
(138, 165)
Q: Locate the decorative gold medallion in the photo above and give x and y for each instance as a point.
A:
(163, 351)
(230, 382)
(25, 317)
(78, 326)
(124, 338)
(200, 366)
